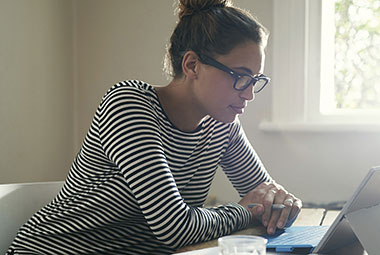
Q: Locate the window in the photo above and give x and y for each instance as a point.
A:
(355, 82)
(326, 59)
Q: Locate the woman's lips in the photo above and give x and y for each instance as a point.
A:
(237, 109)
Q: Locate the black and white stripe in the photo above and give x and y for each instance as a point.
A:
(138, 184)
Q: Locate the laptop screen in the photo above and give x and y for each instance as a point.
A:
(342, 231)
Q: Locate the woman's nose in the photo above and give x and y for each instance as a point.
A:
(248, 94)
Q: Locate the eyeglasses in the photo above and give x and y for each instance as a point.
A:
(242, 80)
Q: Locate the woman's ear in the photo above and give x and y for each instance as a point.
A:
(190, 64)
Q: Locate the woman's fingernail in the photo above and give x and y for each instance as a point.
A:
(280, 224)
(271, 231)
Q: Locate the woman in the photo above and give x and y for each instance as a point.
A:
(140, 180)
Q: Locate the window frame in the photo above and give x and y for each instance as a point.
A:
(297, 73)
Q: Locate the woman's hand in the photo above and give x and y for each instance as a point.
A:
(267, 194)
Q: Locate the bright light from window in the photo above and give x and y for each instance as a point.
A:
(352, 49)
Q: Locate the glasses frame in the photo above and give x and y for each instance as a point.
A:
(236, 75)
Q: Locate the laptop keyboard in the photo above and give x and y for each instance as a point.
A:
(296, 237)
(307, 234)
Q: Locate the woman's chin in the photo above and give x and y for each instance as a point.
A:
(226, 118)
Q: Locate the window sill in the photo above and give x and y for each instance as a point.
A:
(311, 127)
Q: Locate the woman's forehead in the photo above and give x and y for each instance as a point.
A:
(247, 57)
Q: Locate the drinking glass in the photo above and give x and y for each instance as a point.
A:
(242, 245)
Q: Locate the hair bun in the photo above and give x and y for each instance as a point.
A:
(189, 7)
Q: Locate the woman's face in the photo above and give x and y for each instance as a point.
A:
(214, 88)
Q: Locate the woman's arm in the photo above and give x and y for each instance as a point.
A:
(130, 137)
(248, 175)
(241, 163)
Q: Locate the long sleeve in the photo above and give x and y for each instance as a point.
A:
(137, 185)
(241, 163)
(130, 136)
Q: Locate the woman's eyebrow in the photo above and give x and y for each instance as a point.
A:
(245, 69)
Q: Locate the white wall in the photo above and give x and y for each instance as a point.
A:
(117, 40)
(36, 84)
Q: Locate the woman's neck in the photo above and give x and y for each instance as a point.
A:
(179, 105)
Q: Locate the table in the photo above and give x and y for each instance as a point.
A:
(307, 217)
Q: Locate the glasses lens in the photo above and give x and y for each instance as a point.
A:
(243, 82)
(259, 85)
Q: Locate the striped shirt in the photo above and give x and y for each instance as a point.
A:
(138, 184)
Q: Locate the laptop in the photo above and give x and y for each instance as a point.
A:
(359, 220)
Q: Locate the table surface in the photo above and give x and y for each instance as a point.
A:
(307, 217)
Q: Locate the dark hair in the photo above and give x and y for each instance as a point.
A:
(210, 27)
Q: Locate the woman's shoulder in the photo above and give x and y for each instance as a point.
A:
(131, 86)
(130, 89)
